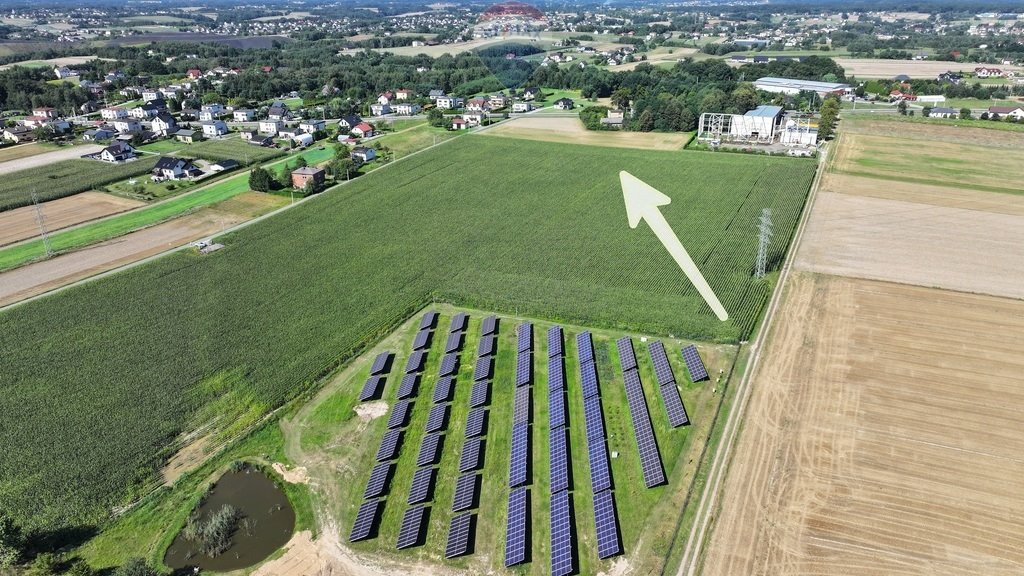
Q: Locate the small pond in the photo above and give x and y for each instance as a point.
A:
(261, 520)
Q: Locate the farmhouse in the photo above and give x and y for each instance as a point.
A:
(214, 128)
(171, 168)
(362, 155)
(793, 86)
(243, 115)
(1004, 111)
(307, 174)
(116, 152)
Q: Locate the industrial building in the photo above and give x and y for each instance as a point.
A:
(762, 125)
(792, 86)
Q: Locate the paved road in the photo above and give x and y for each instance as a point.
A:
(48, 158)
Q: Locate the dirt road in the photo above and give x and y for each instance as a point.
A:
(47, 158)
(20, 223)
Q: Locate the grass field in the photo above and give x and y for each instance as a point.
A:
(89, 234)
(413, 139)
(232, 148)
(338, 273)
(22, 151)
(65, 178)
(644, 530)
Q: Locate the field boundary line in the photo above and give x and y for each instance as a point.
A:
(689, 564)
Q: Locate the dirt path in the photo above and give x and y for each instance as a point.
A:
(47, 158)
(20, 223)
(571, 131)
(34, 279)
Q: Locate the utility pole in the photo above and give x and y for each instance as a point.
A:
(41, 221)
(764, 236)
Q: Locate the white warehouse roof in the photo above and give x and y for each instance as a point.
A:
(792, 86)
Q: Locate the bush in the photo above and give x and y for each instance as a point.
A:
(214, 535)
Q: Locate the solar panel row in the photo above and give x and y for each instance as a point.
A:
(378, 482)
(674, 406)
(694, 365)
(476, 422)
(484, 364)
(399, 414)
(524, 337)
(600, 473)
(422, 480)
(556, 373)
(490, 325)
(470, 458)
(486, 347)
(478, 396)
(627, 358)
(465, 492)
(429, 320)
(555, 347)
(521, 407)
(407, 388)
(449, 364)
(594, 418)
(458, 536)
(524, 368)
(454, 343)
(662, 368)
(372, 388)
(415, 362)
(588, 380)
(561, 534)
(412, 521)
(437, 419)
(429, 449)
(650, 459)
(515, 530)
(606, 525)
(381, 364)
(558, 459)
(585, 347)
(556, 407)
(518, 454)
(366, 519)
(422, 340)
(443, 389)
(458, 322)
(390, 445)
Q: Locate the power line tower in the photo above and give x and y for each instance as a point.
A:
(764, 238)
(41, 221)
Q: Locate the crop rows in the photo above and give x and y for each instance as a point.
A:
(65, 178)
(98, 379)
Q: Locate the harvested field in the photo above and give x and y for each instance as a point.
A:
(64, 61)
(34, 279)
(571, 131)
(879, 68)
(20, 223)
(40, 156)
(934, 131)
(882, 437)
(656, 56)
(994, 202)
(22, 151)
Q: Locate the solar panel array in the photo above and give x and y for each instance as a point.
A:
(429, 321)
(490, 325)
(389, 445)
(443, 389)
(524, 368)
(412, 522)
(437, 419)
(470, 458)
(561, 534)
(627, 358)
(381, 364)
(465, 492)
(694, 364)
(593, 417)
(559, 463)
(515, 530)
(454, 343)
(378, 483)
(555, 347)
(422, 340)
(399, 414)
(556, 373)
(524, 337)
(415, 362)
(662, 368)
(458, 536)
(422, 479)
(674, 406)
(449, 364)
(458, 322)
(407, 388)
(556, 407)
(600, 473)
(486, 347)
(372, 388)
(484, 364)
(519, 454)
(584, 347)
(650, 459)
(365, 520)
(588, 380)
(521, 406)
(429, 450)
(476, 422)
(607, 525)
(478, 396)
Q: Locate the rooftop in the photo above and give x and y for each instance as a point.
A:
(766, 111)
(800, 84)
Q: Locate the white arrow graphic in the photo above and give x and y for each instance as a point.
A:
(642, 203)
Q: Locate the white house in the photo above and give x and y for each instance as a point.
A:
(243, 115)
(311, 126)
(449, 102)
(63, 72)
(985, 72)
(942, 112)
(473, 118)
(127, 126)
(270, 127)
(164, 124)
(147, 110)
(171, 168)
(346, 123)
(1004, 111)
(117, 152)
(407, 109)
(210, 112)
(115, 113)
(522, 106)
(362, 154)
(214, 128)
(379, 109)
(151, 94)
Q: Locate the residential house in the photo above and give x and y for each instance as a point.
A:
(385, 98)
(261, 140)
(149, 94)
(131, 91)
(164, 124)
(187, 136)
(565, 104)
(278, 111)
(942, 112)
(194, 73)
(171, 168)
(127, 126)
(379, 109)
(522, 106)
(62, 72)
(311, 126)
(98, 134)
(307, 174)
(115, 113)
(113, 76)
(210, 112)
(531, 93)
(459, 124)
(288, 132)
(243, 115)
(985, 72)
(449, 102)
(224, 165)
(270, 126)
(404, 94)
(362, 154)
(614, 117)
(435, 94)
(951, 77)
(117, 152)
(214, 128)
(169, 93)
(34, 122)
(473, 118)
(45, 112)
(362, 130)
(477, 105)
(19, 134)
(89, 107)
(498, 101)
(1004, 111)
(147, 110)
(347, 123)
(407, 109)
(248, 134)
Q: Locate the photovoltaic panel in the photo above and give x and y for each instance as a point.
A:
(422, 478)
(518, 455)
(408, 386)
(694, 364)
(561, 535)
(559, 463)
(607, 525)
(381, 363)
(459, 322)
(429, 320)
(483, 368)
(470, 458)
(454, 343)
(584, 347)
(365, 519)
(650, 459)
(465, 492)
(662, 368)
(556, 407)
(524, 337)
(479, 395)
(430, 448)
(437, 420)
(556, 373)
(443, 389)
(674, 406)
(594, 419)
(415, 362)
(412, 521)
(555, 347)
(588, 380)
(521, 406)
(476, 422)
(399, 414)
(486, 347)
(372, 388)
(524, 368)
(458, 536)
(515, 530)
(449, 364)
(377, 484)
(422, 340)
(626, 355)
(390, 444)
(489, 325)
(600, 474)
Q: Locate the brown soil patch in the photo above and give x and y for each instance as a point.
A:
(571, 131)
(296, 475)
(882, 437)
(924, 194)
(190, 457)
(20, 223)
(40, 277)
(371, 410)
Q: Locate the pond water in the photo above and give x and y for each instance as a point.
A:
(266, 522)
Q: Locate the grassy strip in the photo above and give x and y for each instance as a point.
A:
(972, 123)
